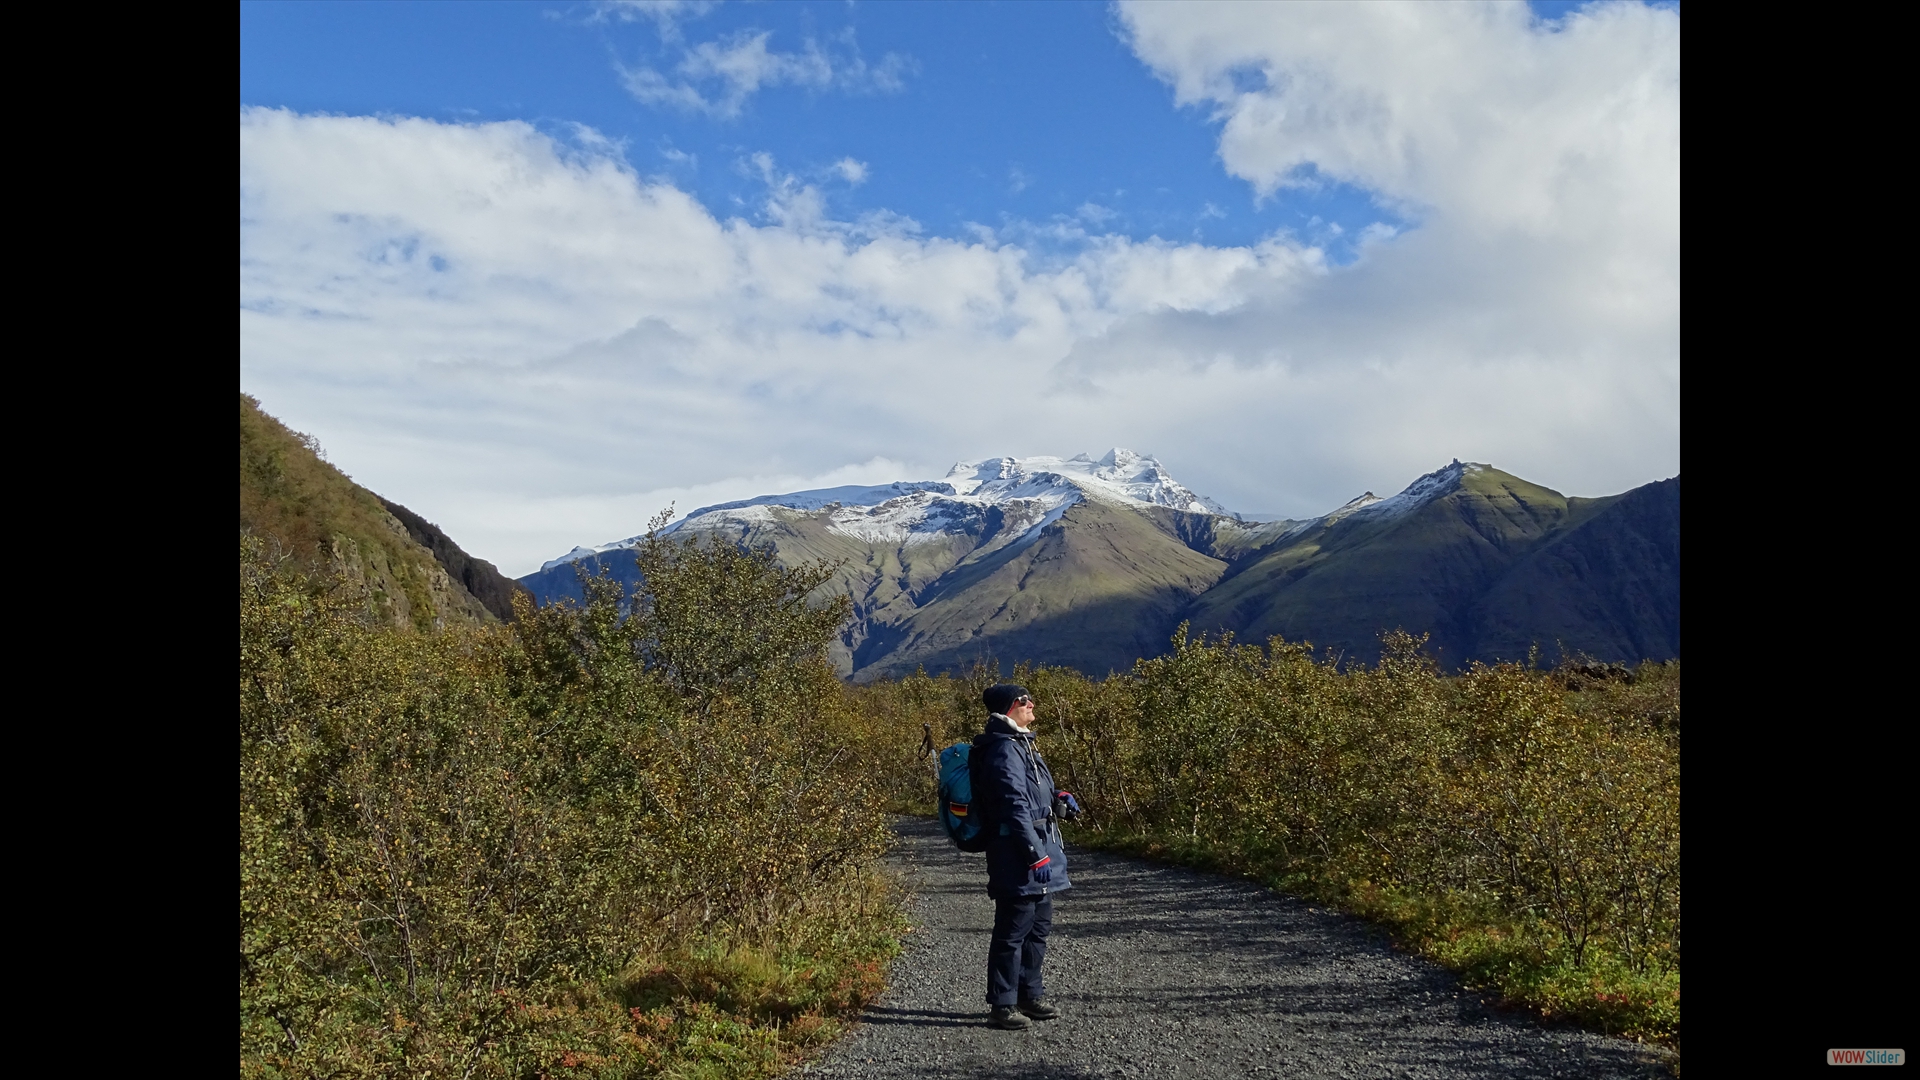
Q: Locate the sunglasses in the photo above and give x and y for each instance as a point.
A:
(1019, 701)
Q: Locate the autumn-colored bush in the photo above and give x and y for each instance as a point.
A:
(1521, 825)
(519, 850)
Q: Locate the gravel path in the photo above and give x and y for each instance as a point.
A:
(1165, 972)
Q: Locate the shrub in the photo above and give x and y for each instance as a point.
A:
(462, 853)
(1520, 825)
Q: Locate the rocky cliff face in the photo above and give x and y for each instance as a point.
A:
(402, 589)
(480, 578)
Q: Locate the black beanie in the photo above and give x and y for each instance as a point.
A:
(1001, 696)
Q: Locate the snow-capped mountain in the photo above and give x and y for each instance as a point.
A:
(1092, 563)
(1415, 495)
(1121, 476)
(1030, 493)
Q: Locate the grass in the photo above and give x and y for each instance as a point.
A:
(721, 1011)
(709, 1011)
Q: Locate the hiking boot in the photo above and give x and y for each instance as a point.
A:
(1006, 1016)
(1038, 1009)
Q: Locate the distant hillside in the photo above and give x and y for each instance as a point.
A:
(1091, 590)
(1608, 586)
(1486, 563)
(414, 574)
(1074, 561)
(1091, 564)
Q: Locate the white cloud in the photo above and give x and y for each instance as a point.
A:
(717, 77)
(534, 346)
(1094, 214)
(1542, 165)
(666, 15)
(529, 520)
(853, 172)
(477, 317)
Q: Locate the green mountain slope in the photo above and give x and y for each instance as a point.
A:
(1608, 586)
(1463, 566)
(1096, 590)
(414, 575)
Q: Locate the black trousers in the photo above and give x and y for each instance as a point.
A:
(1019, 947)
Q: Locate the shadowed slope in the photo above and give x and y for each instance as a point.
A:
(1608, 586)
(1095, 591)
(488, 585)
(1341, 581)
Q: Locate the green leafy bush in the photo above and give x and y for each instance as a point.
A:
(626, 846)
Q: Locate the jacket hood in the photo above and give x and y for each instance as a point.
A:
(999, 724)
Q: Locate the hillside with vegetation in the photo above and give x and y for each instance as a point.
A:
(404, 568)
(1607, 585)
(626, 847)
(1489, 569)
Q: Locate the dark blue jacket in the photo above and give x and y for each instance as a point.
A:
(1016, 789)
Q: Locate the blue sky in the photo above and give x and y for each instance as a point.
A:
(994, 113)
(538, 269)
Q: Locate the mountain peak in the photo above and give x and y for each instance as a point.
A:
(1043, 488)
(1118, 476)
(1441, 481)
(1358, 502)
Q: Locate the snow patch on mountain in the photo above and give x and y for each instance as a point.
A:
(1120, 476)
(1034, 530)
(576, 555)
(910, 519)
(1357, 503)
(747, 515)
(1422, 491)
(925, 518)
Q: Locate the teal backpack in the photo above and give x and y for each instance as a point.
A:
(954, 792)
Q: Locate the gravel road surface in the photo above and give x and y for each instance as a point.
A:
(1165, 972)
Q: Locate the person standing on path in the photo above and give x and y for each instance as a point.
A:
(1026, 859)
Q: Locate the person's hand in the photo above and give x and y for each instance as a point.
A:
(1043, 870)
(1069, 806)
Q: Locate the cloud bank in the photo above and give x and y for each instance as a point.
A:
(530, 342)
